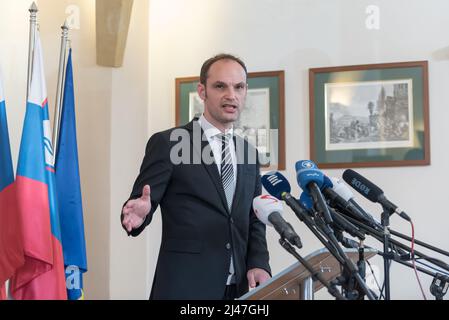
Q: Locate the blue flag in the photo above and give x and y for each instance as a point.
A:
(69, 193)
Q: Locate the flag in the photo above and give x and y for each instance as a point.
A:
(2, 292)
(11, 248)
(42, 275)
(69, 193)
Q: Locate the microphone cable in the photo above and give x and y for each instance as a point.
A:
(414, 260)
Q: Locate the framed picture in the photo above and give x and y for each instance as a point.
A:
(370, 115)
(261, 121)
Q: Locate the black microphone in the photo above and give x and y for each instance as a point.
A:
(372, 192)
(339, 221)
(268, 209)
(340, 197)
(345, 225)
(279, 187)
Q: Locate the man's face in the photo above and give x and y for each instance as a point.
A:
(224, 93)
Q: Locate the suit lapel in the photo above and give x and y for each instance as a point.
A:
(239, 183)
(211, 169)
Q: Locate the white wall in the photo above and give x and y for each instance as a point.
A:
(295, 35)
(129, 134)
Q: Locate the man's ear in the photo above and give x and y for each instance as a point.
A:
(201, 89)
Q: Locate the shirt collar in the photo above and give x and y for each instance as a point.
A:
(210, 130)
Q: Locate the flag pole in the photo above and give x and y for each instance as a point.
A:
(60, 86)
(33, 13)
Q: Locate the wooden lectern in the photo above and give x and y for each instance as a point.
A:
(296, 283)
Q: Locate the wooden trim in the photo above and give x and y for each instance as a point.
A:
(425, 67)
(390, 65)
(312, 115)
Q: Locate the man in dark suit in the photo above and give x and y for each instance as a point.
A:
(204, 178)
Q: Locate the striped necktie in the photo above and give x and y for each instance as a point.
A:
(227, 169)
(227, 178)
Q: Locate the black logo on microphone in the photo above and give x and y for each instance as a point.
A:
(360, 186)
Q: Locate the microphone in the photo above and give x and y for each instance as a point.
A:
(311, 180)
(340, 196)
(306, 200)
(279, 187)
(269, 210)
(372, 192)
(276, 184)
(339, 221)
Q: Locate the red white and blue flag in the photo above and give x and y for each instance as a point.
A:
(42, 275)
(11, 247)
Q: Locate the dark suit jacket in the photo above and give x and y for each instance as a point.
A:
(199, 233)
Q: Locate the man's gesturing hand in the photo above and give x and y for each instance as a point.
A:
(135, 210)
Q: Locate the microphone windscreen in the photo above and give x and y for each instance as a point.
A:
(275, 184)
(306, 200)
(362, 185)
(264, 205)
(327, 182)
(341, 189)
(306, 172)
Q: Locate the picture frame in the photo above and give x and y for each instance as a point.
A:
(373, 115)
(261, 121)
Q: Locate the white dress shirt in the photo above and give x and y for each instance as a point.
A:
(211, 132)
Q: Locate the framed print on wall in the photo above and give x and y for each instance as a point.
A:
(261, 120)
(374, 115)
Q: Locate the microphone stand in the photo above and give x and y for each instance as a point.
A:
(331, 244)
(316, 275)
(401, 235)
(385, 217)
(379, 236)
(372, 223)
(361, 265)
(349, 268)
(440, 283)
(304, 216)
(439, 287)
(421, 243)
(320, 202)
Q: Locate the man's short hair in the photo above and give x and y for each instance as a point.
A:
(222, 56)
